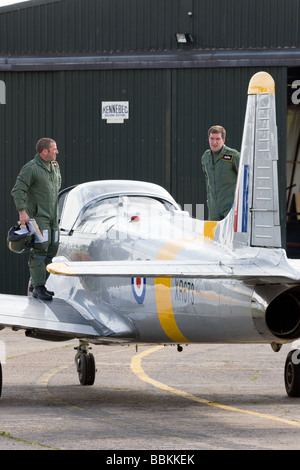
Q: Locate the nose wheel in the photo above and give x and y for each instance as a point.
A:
(85, 364)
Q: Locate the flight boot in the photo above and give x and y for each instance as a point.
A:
(40, 292)
(31, 287)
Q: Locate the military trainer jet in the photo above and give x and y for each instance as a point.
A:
(132, 267)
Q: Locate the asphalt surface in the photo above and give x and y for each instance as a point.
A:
(207, 397)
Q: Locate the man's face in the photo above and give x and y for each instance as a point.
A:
(49, 155)
(215, 141)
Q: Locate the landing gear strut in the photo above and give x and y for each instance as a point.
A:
(292, 373)
(85, 364)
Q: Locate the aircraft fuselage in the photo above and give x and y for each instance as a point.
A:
(177, 310)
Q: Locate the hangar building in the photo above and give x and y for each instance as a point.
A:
(129, 88)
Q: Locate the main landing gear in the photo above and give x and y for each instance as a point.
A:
(85, 364)
(292, 373)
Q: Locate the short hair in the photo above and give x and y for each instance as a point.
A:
(43, 143)
(217, 130)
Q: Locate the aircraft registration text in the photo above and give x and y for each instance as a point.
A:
(184, 291)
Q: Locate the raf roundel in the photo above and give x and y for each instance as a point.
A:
(138, 285)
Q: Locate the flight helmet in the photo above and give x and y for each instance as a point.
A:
(19, 240)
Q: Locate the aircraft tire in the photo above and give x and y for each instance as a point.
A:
(292, 373)
(86, 368)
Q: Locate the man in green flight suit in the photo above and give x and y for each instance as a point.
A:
(220, 165)
(35, 195)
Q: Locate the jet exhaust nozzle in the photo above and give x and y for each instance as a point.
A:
(283, 315)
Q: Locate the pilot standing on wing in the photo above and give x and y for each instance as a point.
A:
(220, 165)
(36, 196)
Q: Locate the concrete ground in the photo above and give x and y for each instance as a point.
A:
(207, 397)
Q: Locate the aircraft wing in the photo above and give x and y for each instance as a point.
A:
(236, 269)
(57, 317)
(295, 263)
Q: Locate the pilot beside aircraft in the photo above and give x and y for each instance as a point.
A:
(220, 166)
(35, 195)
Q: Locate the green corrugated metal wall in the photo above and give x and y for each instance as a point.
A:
(128, 25)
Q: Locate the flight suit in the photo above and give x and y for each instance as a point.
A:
(220, 175)
(36, 192)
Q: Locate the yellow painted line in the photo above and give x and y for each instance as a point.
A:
(44, 381)
(137, 369)
(45, 378)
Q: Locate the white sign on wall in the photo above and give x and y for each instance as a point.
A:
(115, 111)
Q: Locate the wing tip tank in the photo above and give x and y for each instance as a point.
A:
(60, 268)
(260, 83)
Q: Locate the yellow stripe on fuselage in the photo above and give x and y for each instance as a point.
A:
(209, 229)
(163, 285)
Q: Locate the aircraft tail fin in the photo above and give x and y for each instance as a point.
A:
(254, 219)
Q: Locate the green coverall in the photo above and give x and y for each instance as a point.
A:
(220, 175)
(36, 192)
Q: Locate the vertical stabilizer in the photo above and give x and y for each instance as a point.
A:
(255, 213)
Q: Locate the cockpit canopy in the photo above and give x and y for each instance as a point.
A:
(104, 199)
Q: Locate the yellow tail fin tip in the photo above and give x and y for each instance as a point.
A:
(261, 82)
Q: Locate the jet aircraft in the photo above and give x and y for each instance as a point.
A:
(133, 268)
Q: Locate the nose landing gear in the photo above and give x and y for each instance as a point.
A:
(85, 364)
